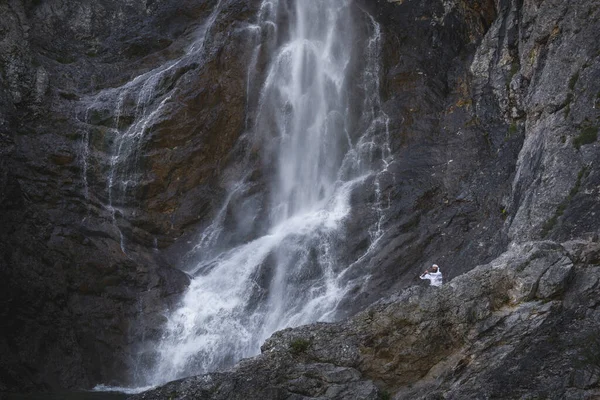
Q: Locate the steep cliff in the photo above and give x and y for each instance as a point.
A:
(494, 116)
(492, 102)
(81, 286)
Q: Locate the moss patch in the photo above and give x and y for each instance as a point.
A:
(488, 140)
(514, 68)
(573, 81)
(383, 395)
(560, 210)
(299, 345)
(65, 58)
(568, 104)
(173, 395)
(587, 135)
(464, 102)
(589, 354)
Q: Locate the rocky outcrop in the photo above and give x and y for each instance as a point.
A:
(523, 326)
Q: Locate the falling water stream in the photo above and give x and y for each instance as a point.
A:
(314, 160)
(315, 114)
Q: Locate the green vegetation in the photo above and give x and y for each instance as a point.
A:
(65, 58)
(464, 102)
(583, 173)
(512, 129)
(549, 225)
(383, 395)
(299, 345)
(568, 104)
(488, 140)
(514, 68)
(172, 395)
(560, 210)
(587, 135)
(573, 81)
(533, 54)
(589, 354)
(472, 122)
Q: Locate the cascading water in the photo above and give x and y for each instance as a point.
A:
(315, 154)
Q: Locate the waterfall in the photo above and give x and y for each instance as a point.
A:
(317, 122)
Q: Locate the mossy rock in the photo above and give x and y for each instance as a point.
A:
(573, 81)
(298, 346)
(587, 135)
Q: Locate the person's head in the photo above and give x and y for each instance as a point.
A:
(434, 267)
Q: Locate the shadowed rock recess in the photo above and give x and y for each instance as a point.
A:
(494, 111)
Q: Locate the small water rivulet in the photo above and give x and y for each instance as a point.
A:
(316, 123)
(144, 99)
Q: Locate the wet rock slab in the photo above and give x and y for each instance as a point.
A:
(519, 326)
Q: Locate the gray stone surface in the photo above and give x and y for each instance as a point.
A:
(500, 331)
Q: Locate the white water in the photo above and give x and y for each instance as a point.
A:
(315, 159)
(121, 389)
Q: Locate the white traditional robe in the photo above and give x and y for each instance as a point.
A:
(435, 278)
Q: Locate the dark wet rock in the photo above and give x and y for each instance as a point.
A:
(74, 305)
(277, 376)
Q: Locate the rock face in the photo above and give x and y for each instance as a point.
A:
(494, 113)
(82, 286)
(491, 102)
(523, 326)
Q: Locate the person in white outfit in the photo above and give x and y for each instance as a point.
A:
(434, 275)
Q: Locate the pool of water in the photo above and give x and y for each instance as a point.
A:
(81, 395)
